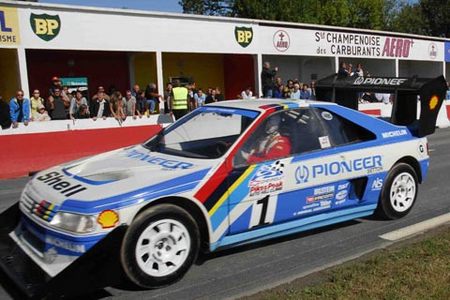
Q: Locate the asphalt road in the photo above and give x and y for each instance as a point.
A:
(248, 269)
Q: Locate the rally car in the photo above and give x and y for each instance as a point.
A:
(224, 175)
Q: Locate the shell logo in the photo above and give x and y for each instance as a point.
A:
(108, 218)
(433, 102)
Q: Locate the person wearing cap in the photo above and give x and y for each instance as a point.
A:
(41, 114)
(56, 84)
(76, 103)
(36, 100)
(19, 109)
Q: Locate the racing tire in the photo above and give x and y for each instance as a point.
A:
(160, 246)
(399, 192)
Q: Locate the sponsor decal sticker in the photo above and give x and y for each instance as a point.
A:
(45, 26)
(377, 184)
(302, 174)
(155, 160)
(343, 186)
(433, 102)
(324, 142)
(341, 195)
(394, 133)
(421, 149)
(371, 164)
(9, 26)
(321, 194)
(281, 40)
(57, 182)
(268, 178)
(108, 219)
(243, 35)
(379, 81)
(79, 248)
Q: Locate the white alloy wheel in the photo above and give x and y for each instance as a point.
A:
(162, 248)
(403, 191)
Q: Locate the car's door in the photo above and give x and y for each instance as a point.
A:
(331, 167)
(326, 171)
(256, 181)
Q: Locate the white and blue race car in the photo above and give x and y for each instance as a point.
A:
(226, 174)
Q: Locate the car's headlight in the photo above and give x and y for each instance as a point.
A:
(74, 222)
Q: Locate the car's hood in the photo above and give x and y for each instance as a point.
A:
(121, 173)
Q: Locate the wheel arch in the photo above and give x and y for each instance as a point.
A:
(194, 208)
(414, 163)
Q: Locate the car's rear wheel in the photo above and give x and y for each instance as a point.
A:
(160, 246)
(399, 192)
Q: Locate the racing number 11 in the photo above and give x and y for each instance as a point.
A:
(263, 211)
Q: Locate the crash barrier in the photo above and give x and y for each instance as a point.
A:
(39, 145)
(385, 110)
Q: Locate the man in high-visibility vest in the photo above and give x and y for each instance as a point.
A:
(179, 100)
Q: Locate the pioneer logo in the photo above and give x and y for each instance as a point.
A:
(379, 81)
(56, 181)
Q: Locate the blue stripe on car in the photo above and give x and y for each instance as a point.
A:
(295, 226)
(169, 187)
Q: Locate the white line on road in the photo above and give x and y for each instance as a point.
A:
(416, 228)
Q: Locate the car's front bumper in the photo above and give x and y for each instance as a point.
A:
(97, 268)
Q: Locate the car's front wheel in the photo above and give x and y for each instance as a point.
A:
(399, 192)
(160, 246)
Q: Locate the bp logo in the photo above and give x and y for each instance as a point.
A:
(243, 35)
(45, 26)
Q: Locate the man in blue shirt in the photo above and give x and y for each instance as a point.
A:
(304, 93)
(19, 109)
(199, 98)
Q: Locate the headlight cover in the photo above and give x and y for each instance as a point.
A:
(74, 222)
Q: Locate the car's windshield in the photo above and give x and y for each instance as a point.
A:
(207, 132)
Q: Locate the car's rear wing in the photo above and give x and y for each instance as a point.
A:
(407, 91)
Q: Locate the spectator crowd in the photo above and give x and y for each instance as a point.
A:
(63, 103)
(177, 98)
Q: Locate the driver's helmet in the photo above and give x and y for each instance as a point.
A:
(273, 124)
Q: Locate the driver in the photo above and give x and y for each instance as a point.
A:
(272, 146)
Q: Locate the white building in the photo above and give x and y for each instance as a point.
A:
(116, 47)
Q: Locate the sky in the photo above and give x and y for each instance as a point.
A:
(154, 5)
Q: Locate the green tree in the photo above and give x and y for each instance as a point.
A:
(427, 17)
(410, 19)
(437, 16)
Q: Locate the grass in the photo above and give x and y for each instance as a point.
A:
(413, 270)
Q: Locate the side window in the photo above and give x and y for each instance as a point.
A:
(342, 131)
(271, 140)
(306, 130)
